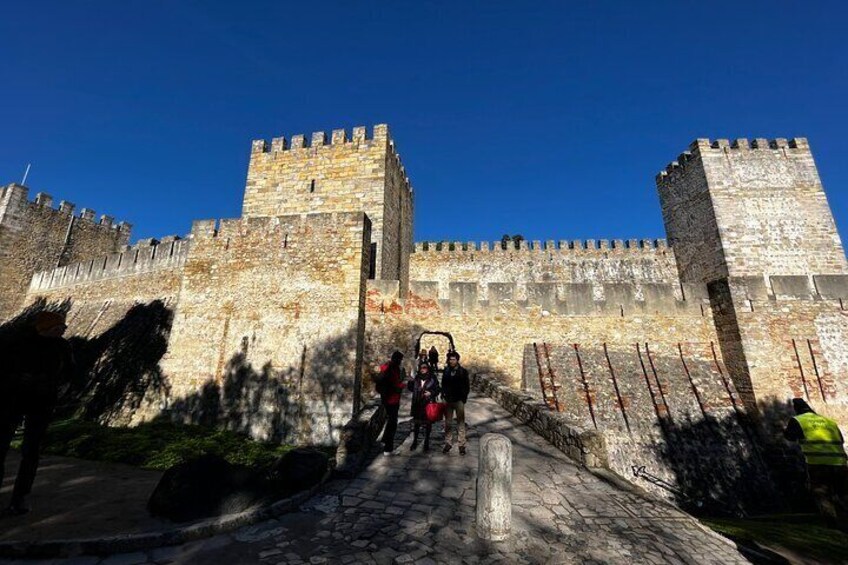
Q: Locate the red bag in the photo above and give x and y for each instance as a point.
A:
(435, 411)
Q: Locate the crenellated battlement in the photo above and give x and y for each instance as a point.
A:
(778, 147)
(339, 137)
(395, 156)
(146, 256)
(17, 196)
(322, 259)
(742, 143)
(564, 246)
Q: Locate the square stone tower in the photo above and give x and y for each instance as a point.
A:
(752, 221)
(740, 209)
(338, 174)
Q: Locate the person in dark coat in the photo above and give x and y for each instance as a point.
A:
(390, 385)
(37, 363)
(433, 357)
(422, 356)
(455, 388)
(425, 389)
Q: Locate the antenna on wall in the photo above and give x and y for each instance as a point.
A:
(26, 174)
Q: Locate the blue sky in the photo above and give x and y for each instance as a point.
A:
(545, 119)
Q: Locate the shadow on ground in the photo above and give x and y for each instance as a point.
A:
(73, 498)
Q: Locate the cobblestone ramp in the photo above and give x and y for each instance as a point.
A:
(419, 508)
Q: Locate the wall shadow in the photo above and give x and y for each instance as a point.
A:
(247, 400)
(13, 326)
(308, 401)
(735, 465)
(118, 370)
(119, 379)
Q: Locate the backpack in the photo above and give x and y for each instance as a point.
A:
(381, 381)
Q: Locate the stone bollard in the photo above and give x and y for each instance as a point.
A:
(494, 488)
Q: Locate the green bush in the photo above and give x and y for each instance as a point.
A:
(155, 445)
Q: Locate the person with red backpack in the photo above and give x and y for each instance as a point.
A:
(390, 382)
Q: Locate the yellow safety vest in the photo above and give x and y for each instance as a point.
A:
(822, 443)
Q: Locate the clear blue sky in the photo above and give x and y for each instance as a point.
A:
(548, 120)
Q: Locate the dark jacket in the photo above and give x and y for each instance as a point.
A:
(36, 367)
(455, 387)
(433, 357)
(419, 386)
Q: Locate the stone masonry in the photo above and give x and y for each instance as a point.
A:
(35, 237)
(269, 322)
(752, 221)
(338, 174)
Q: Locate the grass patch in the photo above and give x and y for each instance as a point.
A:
(155, 445)
(804, 534)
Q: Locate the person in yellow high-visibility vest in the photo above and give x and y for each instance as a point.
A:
(821, 442)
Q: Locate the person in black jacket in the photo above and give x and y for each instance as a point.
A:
(38, 362)
(455, 389)
(433, 357)
(425, 389)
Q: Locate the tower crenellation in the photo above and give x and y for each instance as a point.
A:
(359, 135)
(562, 246)
(702, 145)
(745, 207)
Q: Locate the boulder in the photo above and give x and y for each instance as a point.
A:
(299, 469)
(206, 486)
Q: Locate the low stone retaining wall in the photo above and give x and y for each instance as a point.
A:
(358, 437)
(586, 446)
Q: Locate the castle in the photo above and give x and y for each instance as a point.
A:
(269, 322)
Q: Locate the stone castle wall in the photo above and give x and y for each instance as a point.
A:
(149, 256)
(634, 261)
(769, 210)
(665, 410)
(35, 237)
(270, 323)
(119, 323)
(792, 331)
(491, 333)
(277, 364)
(398, 218)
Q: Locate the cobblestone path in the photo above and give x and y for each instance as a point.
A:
(419, 508)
